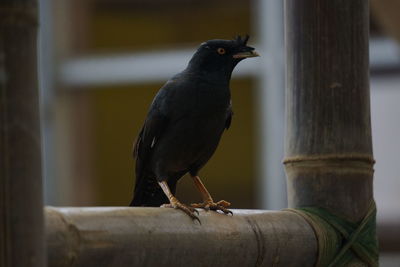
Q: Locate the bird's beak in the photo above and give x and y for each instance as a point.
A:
(246, 54)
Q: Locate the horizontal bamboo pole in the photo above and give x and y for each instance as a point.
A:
(164, 237)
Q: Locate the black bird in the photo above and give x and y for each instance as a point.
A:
(184, 125)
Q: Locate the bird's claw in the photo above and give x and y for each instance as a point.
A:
(186, 209)
(221, 205)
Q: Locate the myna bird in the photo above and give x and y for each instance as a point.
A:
(184, 125)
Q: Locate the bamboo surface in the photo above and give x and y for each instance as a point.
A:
(167, 237)
(21, 206)
(329, 160)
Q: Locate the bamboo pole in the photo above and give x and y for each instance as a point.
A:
(164, 237)
(329, 159)
(21, 207)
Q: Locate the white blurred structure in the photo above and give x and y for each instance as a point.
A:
(385, 107)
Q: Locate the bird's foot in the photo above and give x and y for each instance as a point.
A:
(221, 205)
(186, 209)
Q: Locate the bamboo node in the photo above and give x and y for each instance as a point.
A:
(330, 158)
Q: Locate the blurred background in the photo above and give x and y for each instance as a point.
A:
(102, 61)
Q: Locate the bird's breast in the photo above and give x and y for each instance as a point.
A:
(193, 138)
(212, 100)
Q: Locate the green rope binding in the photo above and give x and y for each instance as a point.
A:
(340, 242)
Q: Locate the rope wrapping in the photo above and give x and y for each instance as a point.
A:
(340, 242)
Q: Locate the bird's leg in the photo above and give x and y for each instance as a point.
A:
(174, 202)
(208, 202)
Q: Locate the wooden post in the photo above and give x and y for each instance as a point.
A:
(21, 207)
(328, 142)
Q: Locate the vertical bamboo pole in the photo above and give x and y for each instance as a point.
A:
(328, 147)
(21, 207)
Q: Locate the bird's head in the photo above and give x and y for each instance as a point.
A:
(221, 56)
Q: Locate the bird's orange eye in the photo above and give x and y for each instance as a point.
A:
(221, 51)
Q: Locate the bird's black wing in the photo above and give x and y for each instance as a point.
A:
(147, 191)
(151, 132)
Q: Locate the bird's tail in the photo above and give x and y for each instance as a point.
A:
(148, 193)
